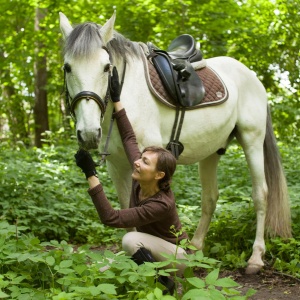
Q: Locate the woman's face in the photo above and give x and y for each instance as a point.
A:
(145, 167)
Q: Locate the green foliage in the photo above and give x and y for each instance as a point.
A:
(38, 191)
(44, 196)
(44, 191)
(285, 255)
(233, 226)
(53, 270)
(264, 35)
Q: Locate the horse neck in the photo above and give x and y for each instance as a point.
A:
(135, 90)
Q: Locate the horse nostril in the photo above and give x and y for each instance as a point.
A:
(79, 137)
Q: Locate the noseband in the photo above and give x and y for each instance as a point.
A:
(88, 96)
(71, 102)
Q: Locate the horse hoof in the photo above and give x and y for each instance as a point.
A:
(253, 269)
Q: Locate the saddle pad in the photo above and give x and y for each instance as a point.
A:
(215, 89)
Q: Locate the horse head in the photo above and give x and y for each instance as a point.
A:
(87, 68)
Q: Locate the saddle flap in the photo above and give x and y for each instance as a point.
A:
(183, 85)
(165, 71)
(191, 86)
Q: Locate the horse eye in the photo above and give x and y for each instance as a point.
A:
(106, 68)
(67, 68)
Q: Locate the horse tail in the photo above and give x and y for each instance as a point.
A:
(278, 215)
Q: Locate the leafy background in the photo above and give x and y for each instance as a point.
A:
(263, 34)
(50, 235)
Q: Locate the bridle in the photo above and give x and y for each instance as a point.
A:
(88, 96)
(102, 103)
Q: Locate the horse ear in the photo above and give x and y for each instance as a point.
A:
(65, 25)
(106, 31)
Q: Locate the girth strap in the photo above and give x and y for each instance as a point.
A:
(175, 146)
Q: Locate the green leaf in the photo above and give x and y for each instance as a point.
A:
(108, 288)
(216, 295)
(66, 263)
(151, 296)
(168, 297)
(226, 282)
(199, 255)
(94, 290)
(212, 277)
(24, 257)
(50, 260)
(3, 295)
(36, 259)
(81, 290)
(133, 278)
(65, 271)
(65, 296)
(196, 294)
(80, 269)
(158, 293)
(2, 240)
(196, 282)
(34, 241)
(18, 279)
(251, 292)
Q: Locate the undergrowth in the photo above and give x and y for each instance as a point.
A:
(57, 270)
(47, 222)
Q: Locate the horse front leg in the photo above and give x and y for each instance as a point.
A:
(120, 173)
(209, 197)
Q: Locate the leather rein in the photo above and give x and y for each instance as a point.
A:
(102, 103)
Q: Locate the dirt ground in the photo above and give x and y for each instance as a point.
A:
(270, 285)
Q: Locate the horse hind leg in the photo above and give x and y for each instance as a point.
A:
(209, 197)
(253, 148)
(269, 190)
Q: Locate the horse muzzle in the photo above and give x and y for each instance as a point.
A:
(89, 140)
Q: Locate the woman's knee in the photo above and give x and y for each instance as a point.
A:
(129, 243)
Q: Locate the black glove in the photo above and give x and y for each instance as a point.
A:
(85, 161)
(115, 89)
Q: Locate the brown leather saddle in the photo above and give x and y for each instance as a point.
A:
(176, 72)
(180, 79)
(203, 87)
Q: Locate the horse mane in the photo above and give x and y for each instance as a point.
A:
(85, 39)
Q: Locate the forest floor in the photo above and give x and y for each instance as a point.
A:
(269, 284)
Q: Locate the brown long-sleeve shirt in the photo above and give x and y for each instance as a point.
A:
(154, 215)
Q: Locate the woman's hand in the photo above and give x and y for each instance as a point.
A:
(85, 161)
(115, 90)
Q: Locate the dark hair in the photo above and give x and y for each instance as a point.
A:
(166, 162)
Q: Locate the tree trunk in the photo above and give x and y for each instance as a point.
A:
(40, 74)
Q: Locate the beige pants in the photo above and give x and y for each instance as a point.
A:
(133, 241)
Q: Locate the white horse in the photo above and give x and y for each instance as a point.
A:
(89, 52)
